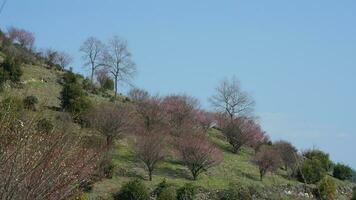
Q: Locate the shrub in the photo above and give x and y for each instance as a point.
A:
(236, 192)
(187, 192)
(106, 167)
(30, 102)
(10, 70)
(13, 103)
(167, 193)
(327, 189)
(133, 190)
(160, 187)
(353, 194)
(108, 84)
(312, 170)
(86, 186)
(342, 172)
(73, 97)
(45, 125)
(321, 156)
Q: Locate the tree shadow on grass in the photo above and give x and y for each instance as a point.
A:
(173, 173)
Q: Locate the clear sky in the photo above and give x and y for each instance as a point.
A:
(296, 58)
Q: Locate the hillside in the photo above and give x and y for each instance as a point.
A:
(43, 83)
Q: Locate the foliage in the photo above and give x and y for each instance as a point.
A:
(45, 126)
(133, 190)
(267, 160)
(106, 167)
(161, 186)
(86, 186)
(108, 84)
(312, 171)
(342, 172)
(236, 192)
(168, 193)
(327, 189)
(15, 104)
(73, 97)
(353, 194)
(186, 192)
(30, 102)
(321, 156)
(10, 70)
(197, 153)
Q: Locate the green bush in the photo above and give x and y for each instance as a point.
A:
(353, 194)
(73, 97)
(187, 192)
(108, 84)
(162, 185)
(327, 189)
(106, 167)
(45, 125)
(321, 156)
(10, 70)
(133, 190)
(312, 170)
(30, 102)
(12, 103)
(342, 172)
(236, 192)
(167, 193)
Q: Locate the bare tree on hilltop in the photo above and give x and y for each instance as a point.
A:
(92, 50)
(117, 59)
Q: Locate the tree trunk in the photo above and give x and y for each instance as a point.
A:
(109, 141)
(115, 87)
(150, 175)
(92, 74)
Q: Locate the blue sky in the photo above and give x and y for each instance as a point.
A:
(296, 58)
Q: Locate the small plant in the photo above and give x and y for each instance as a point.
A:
(86, 186)
(10, 70)
(108, 84)
(236, 192)
(167, 193)
(45, 125)
(133, 190)
(342, 172)
(30, 102)
(106, 168)
(327, 189)
(353, 194)
(187, 192)
(160, 187)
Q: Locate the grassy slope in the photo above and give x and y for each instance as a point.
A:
(42, 83)
(234, 168)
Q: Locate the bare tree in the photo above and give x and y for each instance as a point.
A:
(111, 120)
(150, 150)
(179, 111)
(267, 160)
(117, 59)
(138, 95)
(37, 165)
(241, 131)
(93, 50)
(23, 37)
(205, 119)
(102, 75)
(287, 152)
(63, 59)
(230, 99)
(197, 153)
